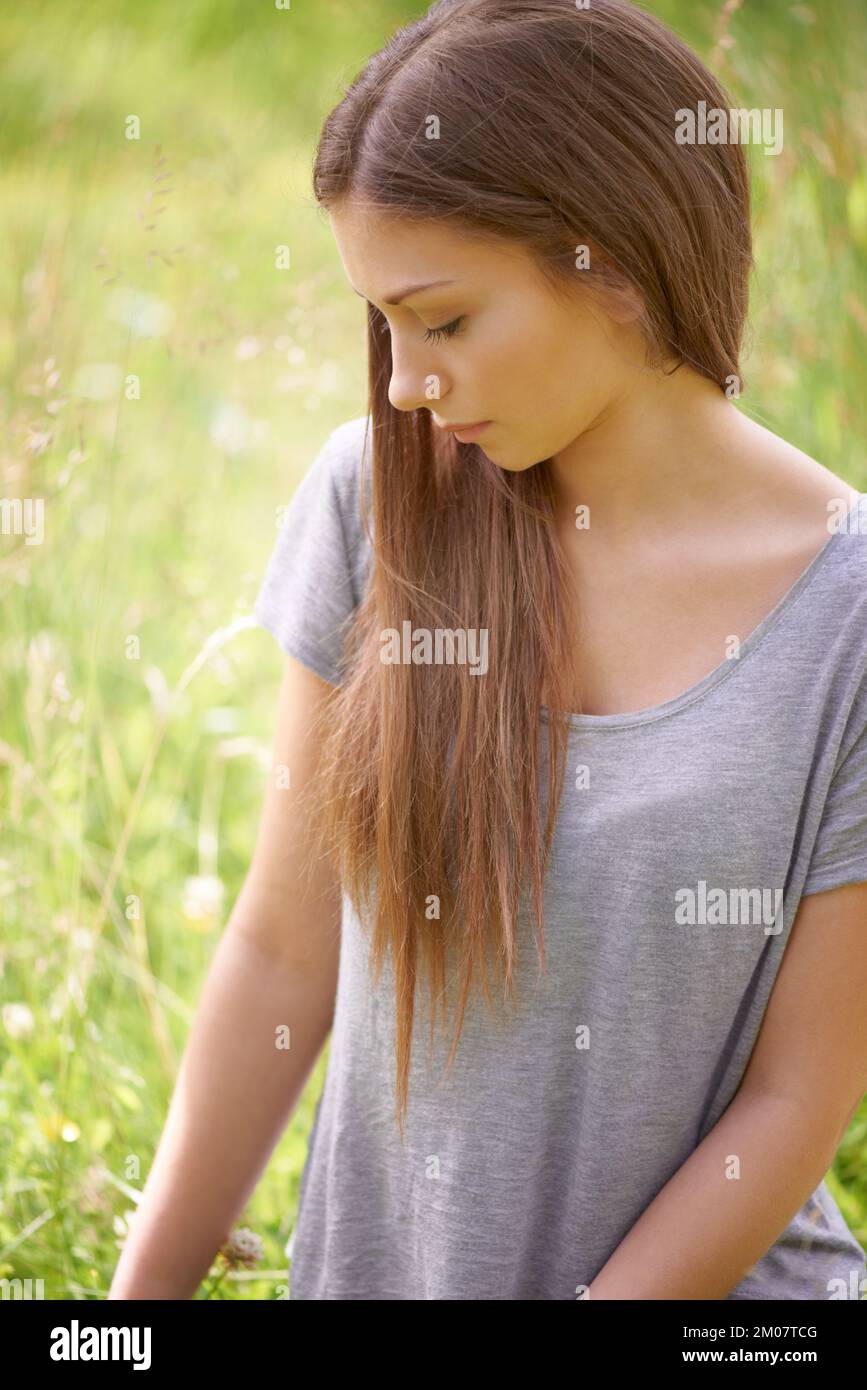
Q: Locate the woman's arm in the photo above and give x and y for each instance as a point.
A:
(234, 1095)
(274, 969)
(705, 1229)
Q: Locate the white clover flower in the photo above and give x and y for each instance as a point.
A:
(18, 1020)
(243, 1247)
(203, 896)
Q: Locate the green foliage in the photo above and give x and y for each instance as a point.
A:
(163, 386)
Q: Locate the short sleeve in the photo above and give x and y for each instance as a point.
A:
(840, 852)
(307, 596)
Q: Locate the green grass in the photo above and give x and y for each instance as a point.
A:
(163, 386)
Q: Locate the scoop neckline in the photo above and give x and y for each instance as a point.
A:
(728, 665)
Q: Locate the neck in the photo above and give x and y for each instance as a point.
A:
(658, 455)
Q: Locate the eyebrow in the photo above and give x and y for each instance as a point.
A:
(410, 290)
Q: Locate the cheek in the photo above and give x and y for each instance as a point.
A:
(534, 340)
(578, 358)
(517, 356)
(542, 368)
(547, 371)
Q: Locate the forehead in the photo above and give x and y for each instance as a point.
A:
(384, 254)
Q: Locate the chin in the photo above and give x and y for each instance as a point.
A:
(513, 465)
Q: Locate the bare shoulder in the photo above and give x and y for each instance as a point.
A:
(802, 496)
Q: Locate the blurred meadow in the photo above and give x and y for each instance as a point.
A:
(164, 383)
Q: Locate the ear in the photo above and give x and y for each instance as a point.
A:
(624, 304)
(621, 299)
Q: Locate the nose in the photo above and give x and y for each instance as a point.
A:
(415, 378)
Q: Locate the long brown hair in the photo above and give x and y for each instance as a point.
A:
(558, 131)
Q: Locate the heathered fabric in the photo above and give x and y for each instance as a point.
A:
(524, 1170)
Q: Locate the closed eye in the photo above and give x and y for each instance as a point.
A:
(447, 331)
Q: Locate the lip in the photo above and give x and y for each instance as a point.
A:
(467, 432)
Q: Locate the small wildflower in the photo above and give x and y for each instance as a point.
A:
(243, 1247)
(18, 1020)
(203, 896)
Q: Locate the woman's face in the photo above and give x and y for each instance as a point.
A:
(541, 370)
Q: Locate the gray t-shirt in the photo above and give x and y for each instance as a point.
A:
(561, 1121)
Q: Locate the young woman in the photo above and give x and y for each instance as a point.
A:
(576, 699)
